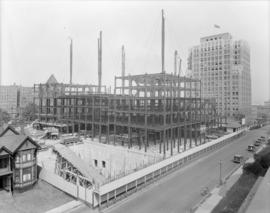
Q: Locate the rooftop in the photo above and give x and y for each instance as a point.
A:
(86, 170)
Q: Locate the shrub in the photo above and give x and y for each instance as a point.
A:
(263, 157)
(254, 168)
(236, 194)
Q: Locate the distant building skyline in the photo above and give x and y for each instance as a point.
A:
(14, 98)
(223, 66)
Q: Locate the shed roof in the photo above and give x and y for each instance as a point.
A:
(86, 170)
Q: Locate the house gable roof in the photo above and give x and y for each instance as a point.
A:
(14, 142)
(27, 145)
(8, 130)
(4, 151)
(52, 80)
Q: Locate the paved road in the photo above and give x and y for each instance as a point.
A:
(179, 191)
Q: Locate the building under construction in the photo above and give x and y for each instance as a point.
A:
(146, 109)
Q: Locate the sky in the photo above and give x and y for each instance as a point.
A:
(35, 44)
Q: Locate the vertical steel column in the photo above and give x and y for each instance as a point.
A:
(179, 114)
(196, 115)
(190, 114)
(200, 111)
(99, 61)
(129, 111)
(123, 69)
(108, 119)
(114, 113)
(175, 62)
(100, 120)
(171, 115)
(70, 60)
(162, 42)
(185, 111)
(164, 116)
(93, 118)
(145, 117)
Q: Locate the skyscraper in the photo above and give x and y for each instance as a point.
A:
(223, 66)
(14, 98)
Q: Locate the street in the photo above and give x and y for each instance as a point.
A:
(179, 191)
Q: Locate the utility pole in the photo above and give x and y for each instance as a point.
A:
(220, 175)
(162, 41)
(123, 68)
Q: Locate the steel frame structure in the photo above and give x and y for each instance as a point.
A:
(156, 108)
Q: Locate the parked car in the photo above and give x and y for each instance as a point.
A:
(257, 143)
(251, 148)
(238, 158)
(262, 138)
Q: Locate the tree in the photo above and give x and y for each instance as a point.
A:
(29, 112)
(4, 117)
(255, 168)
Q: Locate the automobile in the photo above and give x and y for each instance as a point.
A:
(262, 138)
(257, 143)
(238, 158)
(251, 148)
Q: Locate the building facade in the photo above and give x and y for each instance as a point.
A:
(223, 66)
(14, 98)
(18, 160)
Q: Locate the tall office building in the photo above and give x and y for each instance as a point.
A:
(14, 98)
(223, 66)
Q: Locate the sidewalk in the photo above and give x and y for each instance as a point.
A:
(218, 193)
(67, 207)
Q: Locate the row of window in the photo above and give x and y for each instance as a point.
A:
(24, 158)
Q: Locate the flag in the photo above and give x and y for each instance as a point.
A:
(216, 26)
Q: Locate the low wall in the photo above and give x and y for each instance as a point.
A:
(132, 182)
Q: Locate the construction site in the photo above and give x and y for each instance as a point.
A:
(145, 119)
(145, 109)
